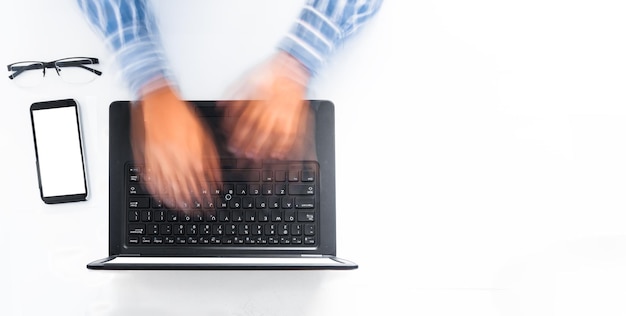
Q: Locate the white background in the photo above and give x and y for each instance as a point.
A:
(480, 162)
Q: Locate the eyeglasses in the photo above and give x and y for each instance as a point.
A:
(72, 70)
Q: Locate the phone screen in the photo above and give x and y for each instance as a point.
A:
(59, 151)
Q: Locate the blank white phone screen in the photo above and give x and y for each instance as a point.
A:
(59, 152)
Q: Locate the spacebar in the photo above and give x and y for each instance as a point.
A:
(240, 176)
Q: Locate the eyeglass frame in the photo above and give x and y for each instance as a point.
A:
(55, 64)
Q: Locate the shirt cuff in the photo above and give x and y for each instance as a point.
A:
(142, 64)
(312, 39)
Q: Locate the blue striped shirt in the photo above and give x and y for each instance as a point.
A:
(129, 29)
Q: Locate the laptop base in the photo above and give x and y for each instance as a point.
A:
(222, 263)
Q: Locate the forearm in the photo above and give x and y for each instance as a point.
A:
(322, 26)
(130, 31)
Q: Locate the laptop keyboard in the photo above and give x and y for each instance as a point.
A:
(258, 204)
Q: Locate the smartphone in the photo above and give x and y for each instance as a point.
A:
(59, 151)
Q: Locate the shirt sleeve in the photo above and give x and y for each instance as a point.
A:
(129, 29)
(322, 26)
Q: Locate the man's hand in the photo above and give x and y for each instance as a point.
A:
(177, 150)
(271, 114)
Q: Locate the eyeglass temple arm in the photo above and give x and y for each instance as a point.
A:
(95, 71)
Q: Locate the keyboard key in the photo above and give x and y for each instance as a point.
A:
(281, 175)
(261, 202)
(277, 216)
(136, 189)
(294, 176)
(308, 175)
(228, 163)
(283, 229)
(301, 189)
(247, 203)
(229, 188)
(208, 203)
(146, 216)
(172, 216)
(240, 176)
(241, 189)
(223, 215)
(198, 216)
(139, 202)
(153, 229)
(264, 216)
(280, 189)
(306, 216)
(296, 229)
(309, 229)
(255, 189)
(185, 217)
(136, 229)
(304, 202)
(205, 229)
(237, 216)
(290, 216)
(257, 229)
(268, 175)
(250, 216)
(160, 215)
(286, 202)
(274, 202)
(270, 229)
(210, 216)
(191, 229)
(165, 229)
(133, 216)
(179, 229)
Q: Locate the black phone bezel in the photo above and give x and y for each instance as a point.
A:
(51, 105)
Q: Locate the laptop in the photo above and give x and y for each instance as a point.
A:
(264, 214)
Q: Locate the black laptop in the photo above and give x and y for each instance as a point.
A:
(265, 214)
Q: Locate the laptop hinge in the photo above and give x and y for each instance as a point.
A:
(311, 255)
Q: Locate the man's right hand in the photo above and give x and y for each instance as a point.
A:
(177, 150)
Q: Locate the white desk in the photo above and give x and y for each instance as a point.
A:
(489, 137)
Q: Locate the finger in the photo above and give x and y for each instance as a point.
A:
(232, 111)
(261, 141)
(259, 130)
(155, 185)
(283, 143)
(244, 126)
(286, 133)
(180, 193)
(301, 128)
(197, 183)
(212, 170)
(235, 126)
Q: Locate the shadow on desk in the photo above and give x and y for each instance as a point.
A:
(578, 277)
(158, 293)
